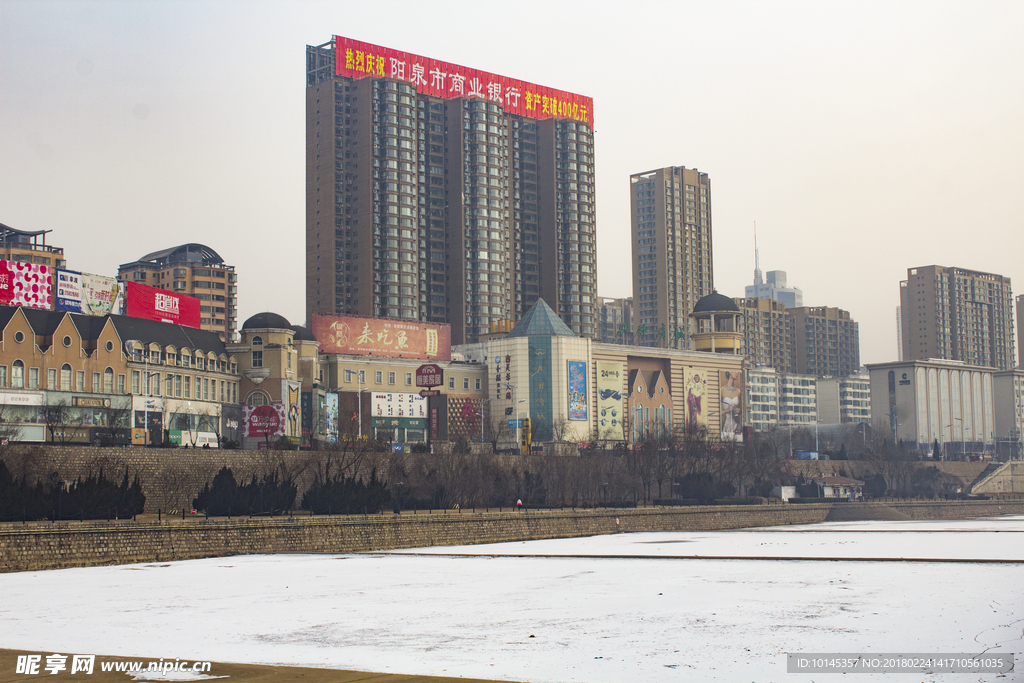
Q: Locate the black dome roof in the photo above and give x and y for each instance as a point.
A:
(301, 333)
(715, 302)
(266, 320)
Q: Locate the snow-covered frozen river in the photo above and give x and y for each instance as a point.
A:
(606, 609)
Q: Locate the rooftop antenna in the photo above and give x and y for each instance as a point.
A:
(757, 264)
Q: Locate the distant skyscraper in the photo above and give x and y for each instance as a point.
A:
(826, 341)
(672, 261)
(615, 320)
(957, 314)
(440, 193)
(775, 289)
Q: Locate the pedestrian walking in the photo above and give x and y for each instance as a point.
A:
(519, 504)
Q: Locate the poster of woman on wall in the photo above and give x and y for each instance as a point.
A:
(732, 405)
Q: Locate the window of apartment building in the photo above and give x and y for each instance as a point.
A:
(465, 383)
(33, 378)
(51, 379)
(108, 381)
(17, 374)
(135, 382)
(391, 377)
(169, 386)
(451, 382)
(206, 389)
(478, 384)
(3, 375)
(177, 386)
(95, 382)
(408, 379)
(80, 380)
(65, 377)
(120, 383)
(257, 356)
(188, 387)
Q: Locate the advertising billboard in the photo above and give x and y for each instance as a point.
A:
(356, 59)
(143, 301)
(577, 390)
(392, 404)
(382, 337)
(26, 284)
(88, 294)
(331, 418)
(696, 398)
(731, 390)
(264, 421)
(609, 400)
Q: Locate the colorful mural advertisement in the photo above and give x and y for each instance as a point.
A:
(382, 337)
(295, 410)
(609, 400)
(331, 419)
(89, 294)
(731, 390)
(696, 399)
(540, 389)
(578, 390)
(25, 284)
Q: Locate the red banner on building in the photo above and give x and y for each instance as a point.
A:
(143, 301)
(382, 337)
(356, 59)
(264, 421)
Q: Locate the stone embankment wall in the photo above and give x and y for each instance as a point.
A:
(172, 477)
(41, 545)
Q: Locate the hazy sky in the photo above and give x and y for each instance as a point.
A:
(862, 137)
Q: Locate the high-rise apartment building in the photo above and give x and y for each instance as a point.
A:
(826, 341)
(767, 333)
(615, 320)
(440, 193)
(1020, 330)
(957, 314)
(195, 270)
(670, 211)
(844, 399)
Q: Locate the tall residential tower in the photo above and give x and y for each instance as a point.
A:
(957, 314)
(670, 212)
(436, 192)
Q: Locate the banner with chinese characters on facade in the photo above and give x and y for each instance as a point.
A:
(696, 381)
(382, 337)
(25, 284)
(394, 404)
(356, 59)
(88, 294)
(143, 301)
(609, 401)
(578, 398)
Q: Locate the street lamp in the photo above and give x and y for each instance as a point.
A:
(481, 414)
(963, 436)
(359, 397)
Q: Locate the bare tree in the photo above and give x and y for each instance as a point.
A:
(59, 417)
